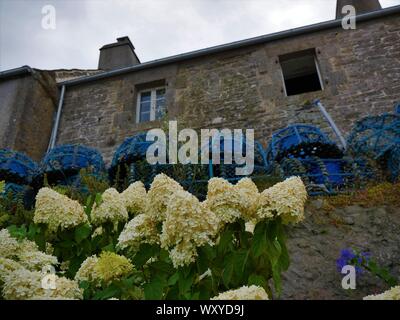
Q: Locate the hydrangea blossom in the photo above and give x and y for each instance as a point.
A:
(32, 258)
(112, 208)
(224, 200)
(106, 268)
(135, 197)
(26, 253)
(141, 229)
(23, 284)
(391, 294)
(244, 293)
(188, 225)
(230, 202)
(58, 211)
(7, 266)
(8, 244)
(161, 190)
(249, 194)
(285, 199)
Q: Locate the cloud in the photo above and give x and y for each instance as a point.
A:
(157, 28)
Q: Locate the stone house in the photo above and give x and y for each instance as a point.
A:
(262, 83)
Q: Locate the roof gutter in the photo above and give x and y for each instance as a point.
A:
(233, 45)
(16, 72)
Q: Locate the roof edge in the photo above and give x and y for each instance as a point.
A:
(15, 72)
(233, 45)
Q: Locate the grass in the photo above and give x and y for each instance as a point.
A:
(375, 195)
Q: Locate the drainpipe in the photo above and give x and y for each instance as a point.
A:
(53, 137)
(331, 123)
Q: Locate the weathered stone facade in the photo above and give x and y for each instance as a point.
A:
(27, 105)
(243, 88)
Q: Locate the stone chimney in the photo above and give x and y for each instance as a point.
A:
(361, 6)
(118, 55)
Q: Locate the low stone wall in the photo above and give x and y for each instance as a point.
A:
(315, 244)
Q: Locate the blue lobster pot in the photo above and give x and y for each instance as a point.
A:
(333, 168)
(291, 136)
(71, 159)
(16, 167)
(132, 149)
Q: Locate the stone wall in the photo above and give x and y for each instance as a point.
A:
(243, 88)
(315, 244)
(27, 106)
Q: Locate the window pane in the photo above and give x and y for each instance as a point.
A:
(144, 116)
(145, 96)
(160, 93)
(145, 106)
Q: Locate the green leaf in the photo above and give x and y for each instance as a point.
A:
(256, 279)
(185, 282)
(154, 290)
(239, 263)
(276, 275)
(17, 232)
(146, 251)
(110, 247)
(82, 232)
(98, 200)
(225, 240)
(109, 292)
(173, 279)
(259, 244)
(227, 273)
(32, 231)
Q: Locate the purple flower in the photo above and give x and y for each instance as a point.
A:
(350, 257)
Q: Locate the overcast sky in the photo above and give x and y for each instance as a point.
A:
(157, 28)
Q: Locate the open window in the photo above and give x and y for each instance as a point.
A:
(301, 72)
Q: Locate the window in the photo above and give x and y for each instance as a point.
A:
(300, 72)
(151, 105)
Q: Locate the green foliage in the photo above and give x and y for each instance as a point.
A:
(240, 258)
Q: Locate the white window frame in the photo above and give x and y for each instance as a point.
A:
(153, 100)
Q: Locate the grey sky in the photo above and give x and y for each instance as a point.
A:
(157, 28)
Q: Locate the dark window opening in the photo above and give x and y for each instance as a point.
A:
(300, 72)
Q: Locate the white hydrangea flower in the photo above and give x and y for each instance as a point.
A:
(26, 253)
(141, 229)
(7, 266)
(107, 267)
(182, 254)
(8, 244)
(224, 200)
(248, 194)
(112, 208)
(87, 271)
(188, 224)
(285, 199)
(161, 189)
(188, 220)
(135, 197)
(23, 284)
(244, 293)
(58, 211)
(391, 294)
(32, 258)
